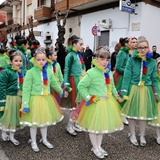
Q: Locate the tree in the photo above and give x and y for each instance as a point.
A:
(61, 28)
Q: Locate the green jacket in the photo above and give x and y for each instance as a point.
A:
(8, 84)
(93, 83)
(121, 60)
(58, 74)
(73, 67)
(4, 61)
(133, 71)
(33, 84)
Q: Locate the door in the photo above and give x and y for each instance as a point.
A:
(104, 38)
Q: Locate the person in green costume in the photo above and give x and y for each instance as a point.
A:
(156, 122)
(140, 89)
(11, 80)
(121, 60)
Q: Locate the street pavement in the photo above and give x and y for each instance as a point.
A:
(67, 147)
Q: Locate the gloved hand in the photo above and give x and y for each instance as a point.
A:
(93, 99)
(67, 88)
(124, 96)
(26, 110)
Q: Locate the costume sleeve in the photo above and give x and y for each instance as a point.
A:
(27, 86)
(120, 62)
(114, 91)
(127, 77)
(60, 76)
(67, 69)
(154, 78)
(55, 85)
(4, 79)
(83, 85)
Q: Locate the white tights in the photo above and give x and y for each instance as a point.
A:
(33, 133)
(142, 126)
(96, 140)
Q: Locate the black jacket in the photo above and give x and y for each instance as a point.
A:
(88, 56)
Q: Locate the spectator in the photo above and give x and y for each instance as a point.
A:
(155, 54)
(61, 54)
(88, 57)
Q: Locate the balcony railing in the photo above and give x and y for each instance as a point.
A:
(15, 2)
(6, 7)
(42, 13)
(61, 5)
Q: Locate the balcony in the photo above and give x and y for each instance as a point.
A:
(2, 25)
(15, 2)
(5, 7)
(76, 3)
(61, 5)
(42, 13)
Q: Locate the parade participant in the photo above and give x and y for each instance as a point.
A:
(4, 60)
(139, 77)
(114, 55)
(40, 107)
(121, 60)
(99, 112)
(20, 48)
(11, 80)
(156, 122)
(55, 68)
(74, 67)
(134, 43)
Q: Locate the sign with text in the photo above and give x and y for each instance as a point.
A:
(127, 6)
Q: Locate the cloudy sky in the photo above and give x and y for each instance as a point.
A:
(1, 1)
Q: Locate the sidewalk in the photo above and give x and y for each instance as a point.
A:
(67, 147)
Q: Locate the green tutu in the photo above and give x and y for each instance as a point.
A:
(44, 111)
(141, 103)
(10, 120)
(102, 117)
(156, 122)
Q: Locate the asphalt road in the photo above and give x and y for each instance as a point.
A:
(67, 147)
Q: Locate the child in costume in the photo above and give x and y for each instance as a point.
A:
(40, 107)
(156, 122)
(11, 80)
(55, 68)
(74, 70)
(99, 111)
(4, 60)
(139, 88)
(121, 61)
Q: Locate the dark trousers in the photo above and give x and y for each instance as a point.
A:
(88, 66)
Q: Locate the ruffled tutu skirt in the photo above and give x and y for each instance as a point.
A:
(118, 78)
(10, 120)
(156, 122)
(44, 111)
(141, 104)
(101, 117)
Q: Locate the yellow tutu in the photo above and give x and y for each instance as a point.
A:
(10, 120)
(102, 117)
(44, 111)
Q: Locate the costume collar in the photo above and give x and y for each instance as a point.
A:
(95, 63)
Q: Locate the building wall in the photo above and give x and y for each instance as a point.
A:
(73, 23)
(2, 19)
(47, 27)
(121, 25)
(151, 24)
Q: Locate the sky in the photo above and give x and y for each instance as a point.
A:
(1, 1)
